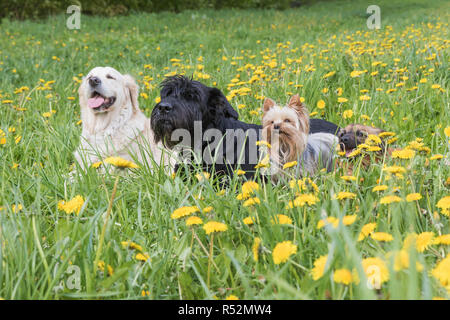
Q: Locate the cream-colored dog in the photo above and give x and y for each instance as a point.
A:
(113, 124)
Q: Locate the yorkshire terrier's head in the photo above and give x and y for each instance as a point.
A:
(355, 134)
(285, 128)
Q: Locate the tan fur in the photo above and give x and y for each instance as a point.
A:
(287, 130)
(353, 128)
(122, 130)
(293, 122)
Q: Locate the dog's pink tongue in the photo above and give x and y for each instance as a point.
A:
(95, 102)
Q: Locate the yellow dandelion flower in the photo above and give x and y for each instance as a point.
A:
(142, 256)
(263, 143)
(380, 188)
(436, 157)
(97, 164)
(394, 169)
(249, 187)
(345, 195)
(131, 245)
(424, 240)
(402, 259)
(121, 162)
(376, 271)
(343, 276)
(17, 208)
(240, 172)
(366, 230)
(193, 221)
(283, 251)
(214, 226)
(442, 271)
(447, 131)
(281, 219)
(382, 236)
(364, 98)
(342, 100)
(392, 140)
(403, 154)
(320, 104)
(231, 297)
(373, 139)
(413, 197)
(251, 202)
(184, 211)
(347, 114)
(329, 220)
(264, 163)
(202, 176)
(248, 220)
(409, 241)
(319, 267)
(390, 199)
(207, 209)
(349, 220)
(386, 134)
(444, 205)
(255, 248)
(303, 199)
(442, 240)
(72, 206)
(290, 164)
(348, 178)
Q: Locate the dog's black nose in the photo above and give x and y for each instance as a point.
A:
(164, 107)
(276, 126)
(94, 81)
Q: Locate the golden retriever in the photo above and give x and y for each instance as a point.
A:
(113, 124)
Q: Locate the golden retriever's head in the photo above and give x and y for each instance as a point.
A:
(105, 90)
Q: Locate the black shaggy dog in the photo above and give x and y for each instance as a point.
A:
(202, 119)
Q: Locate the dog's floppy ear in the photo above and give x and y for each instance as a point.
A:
(133, 90)
(218, 105)
(268, 103)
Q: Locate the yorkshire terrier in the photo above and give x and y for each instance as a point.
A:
(286, 129)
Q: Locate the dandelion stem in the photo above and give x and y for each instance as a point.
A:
(211, 247)
(102, 235)
(204, 249)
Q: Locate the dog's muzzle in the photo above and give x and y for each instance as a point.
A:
(164, 107)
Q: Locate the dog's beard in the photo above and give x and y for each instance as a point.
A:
(164, 124)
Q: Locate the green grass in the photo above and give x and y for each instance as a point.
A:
(39, 243)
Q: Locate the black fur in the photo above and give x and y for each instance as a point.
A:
(184, 101)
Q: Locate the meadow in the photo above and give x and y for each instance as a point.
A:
(379, 233)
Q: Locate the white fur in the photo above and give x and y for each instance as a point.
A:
(122, 130)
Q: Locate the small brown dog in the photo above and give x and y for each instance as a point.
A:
(286, 129)
(354, 135)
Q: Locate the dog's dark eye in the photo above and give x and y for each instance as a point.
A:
(287, 120)
(108, 76)
(359, 133)
(341, 134)
(271, 122)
